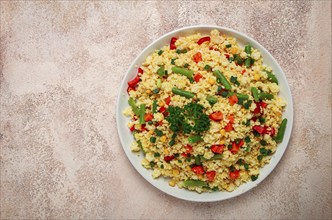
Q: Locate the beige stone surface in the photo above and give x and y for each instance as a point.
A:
(61, 66)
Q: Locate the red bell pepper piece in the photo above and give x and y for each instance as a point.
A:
(162, 109)
(235, 148)
(216, 116)
(189, 149)
(229, 127)
(130, 89)
(148, 117)
(184, 155)
(168, 100)
(203, 39)
(243, 71)
(270, 131)
(168, 158)
(140, 70)
(233, 99)
(134, 82)
(197, 57)
(198, 169)
(218, 149)
(227, 55)
(259, 129)
(234, 175)
(231, 118)
(210, 175)
(197, 77)
(172, 43)
(132, 128)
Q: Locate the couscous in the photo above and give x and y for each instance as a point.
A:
(205, 112)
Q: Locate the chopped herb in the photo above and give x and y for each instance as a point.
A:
(224, 94)
(186, 65)
(247, 149)
(247, 104)
(232, 168)
(256, 134)
(173, 61)
(162, 166)
(263, 151)
(161, 71)
(248, 123)
(214, 189)
(150, 122)
(253, 177)
(180, 161)
(233, 79)
(238, 60)
(263, 142)
(158, 132)
(157, 154)
(219, 89)
(231, 59)
(260, 157)
(246, 166)
(207, 67)
(261, 120)
(198, 160)
(172, 142)
(178, 51)
(155, 91)
(228, 45)
(229, 147)
(152, 164)
(188, 159)
(240, 162)
(247, 139)
(176, 155)
(160, 52)
(153, 139)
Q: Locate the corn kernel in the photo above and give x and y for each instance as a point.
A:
(256, 76)
(172, 183)
(176, 172)
(163, 138)
(166, 151)
(211, 81)
(148, 91)
(160, 103)
(222, 142)
(223, 132)
(151, 132)
(188, 168)
(233, 50)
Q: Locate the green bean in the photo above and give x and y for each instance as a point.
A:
(133, 105)
(192, 183)
(239, 95)
(183, 93)
(183, 71)
(222, 79)
(139, 143)
(265, 96)
(195, 138)
(158, 83)
(142, 114)
(154, 106)
(247, 62)
(215, 157)
(281, 131)
(161, 71)
(271, 77)
(212, 100)
(254, 92)
(247, 49)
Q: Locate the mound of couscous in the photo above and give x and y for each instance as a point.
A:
(205, 112)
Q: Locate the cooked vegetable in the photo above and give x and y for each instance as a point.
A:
(183, 93)
(142, 114)
(183, 71)
(281, 131)
(222, 79)
(133, 106)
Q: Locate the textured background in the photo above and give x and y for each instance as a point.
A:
(61, 66)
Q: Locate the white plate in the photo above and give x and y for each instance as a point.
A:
(126, 137)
